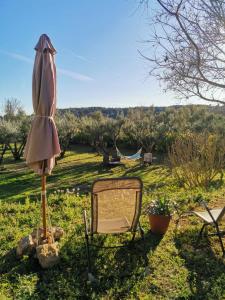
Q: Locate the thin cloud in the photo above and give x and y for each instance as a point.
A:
(74, 75)
(80, 57)
(65, 72)
(17, 56)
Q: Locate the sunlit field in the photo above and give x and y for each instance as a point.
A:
(160, 267)
(130, 90)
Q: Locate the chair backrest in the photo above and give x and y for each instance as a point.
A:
(116, 199)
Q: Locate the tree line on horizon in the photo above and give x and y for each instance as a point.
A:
(148, 127)
(113, 112)
(193, 136)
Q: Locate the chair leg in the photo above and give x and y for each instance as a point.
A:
(142, 233)
(141, 230)
(200, 234)
(91, 277)
(133, 236)
(87, 242)
(88, 253)
(220, 238)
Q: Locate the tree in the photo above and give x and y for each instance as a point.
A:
(194, 118)
(188, 42)
(13, 109)
(23, 126)
(67, 126)
(17, 132)
(91, 127)
(3, 139)
(15, 125)
(101, 132)
(141, 128)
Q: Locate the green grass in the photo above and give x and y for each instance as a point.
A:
(175, 269)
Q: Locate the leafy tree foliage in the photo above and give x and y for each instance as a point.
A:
(141, 128)
(14, 127)
(152, 128)
(67, 125)
(101, 132)
(3, 138)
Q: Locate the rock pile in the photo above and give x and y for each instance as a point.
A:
(46, 250)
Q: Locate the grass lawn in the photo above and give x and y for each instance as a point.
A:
(175, 268)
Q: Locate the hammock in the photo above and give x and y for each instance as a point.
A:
(131, 157)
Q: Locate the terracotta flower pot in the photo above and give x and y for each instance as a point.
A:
(159, 223)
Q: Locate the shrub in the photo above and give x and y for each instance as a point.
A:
(196, 159)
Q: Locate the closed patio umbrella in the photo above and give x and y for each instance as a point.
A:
(42, 144)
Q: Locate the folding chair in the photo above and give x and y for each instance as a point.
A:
(211, 217)
(115, 208)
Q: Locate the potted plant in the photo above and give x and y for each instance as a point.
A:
(159, 212)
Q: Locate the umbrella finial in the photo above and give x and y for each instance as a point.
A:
(45, 44)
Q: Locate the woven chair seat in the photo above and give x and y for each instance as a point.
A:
(115, 225)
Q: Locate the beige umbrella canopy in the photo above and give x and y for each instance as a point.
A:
(42, 143)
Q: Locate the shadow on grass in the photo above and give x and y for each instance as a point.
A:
(16, 185)
(117, 270)
(206, 270)
(143, 169)
(77, 174)
(62, 162)
(216, 184)
(11, 266)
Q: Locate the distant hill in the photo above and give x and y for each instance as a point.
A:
(83, 111)
(114, 111)
(107, 111)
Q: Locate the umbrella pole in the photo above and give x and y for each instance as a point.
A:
(43, 198)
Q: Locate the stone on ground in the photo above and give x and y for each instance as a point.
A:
(57, 232)
(37, 235)
(25, 246)
(48, 255)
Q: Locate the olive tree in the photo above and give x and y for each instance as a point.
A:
(3, 138)
(141, 128)
(14, 126)
(67, 126)
(101, 132)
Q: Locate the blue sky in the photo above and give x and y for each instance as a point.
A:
(97, 59)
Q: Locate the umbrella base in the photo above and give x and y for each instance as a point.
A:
(48, 255)
(46, 250)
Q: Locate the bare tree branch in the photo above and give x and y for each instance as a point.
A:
(188, 48)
